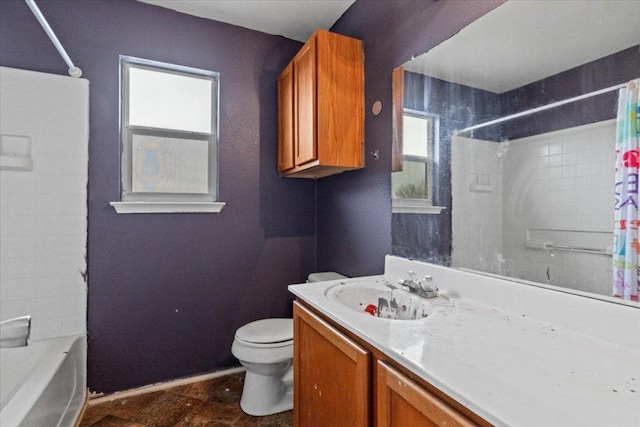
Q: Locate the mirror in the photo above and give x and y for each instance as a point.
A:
(523, 158)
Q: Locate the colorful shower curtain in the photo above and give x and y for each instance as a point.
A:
(626, 244)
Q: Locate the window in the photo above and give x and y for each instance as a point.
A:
(412, 187)
(169, 138)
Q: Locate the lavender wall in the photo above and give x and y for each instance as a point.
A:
(168, 291)
(354, 208)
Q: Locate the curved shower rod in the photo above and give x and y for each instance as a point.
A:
(73, 70)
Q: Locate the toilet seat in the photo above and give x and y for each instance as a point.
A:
(264, 341)
(266, 333)
(288, 343)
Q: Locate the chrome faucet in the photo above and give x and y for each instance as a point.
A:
(424, 288)
(15, 332)
(409, 281)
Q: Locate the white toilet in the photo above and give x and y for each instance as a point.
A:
(265, 349)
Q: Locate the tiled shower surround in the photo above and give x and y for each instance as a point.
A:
(43, 212)
(556, 188)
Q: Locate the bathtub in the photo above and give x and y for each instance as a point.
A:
(43, 384)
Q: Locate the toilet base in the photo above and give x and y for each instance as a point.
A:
(265, 395)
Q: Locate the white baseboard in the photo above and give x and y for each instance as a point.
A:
(160, 386)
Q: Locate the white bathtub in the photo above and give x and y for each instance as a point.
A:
(43, 384)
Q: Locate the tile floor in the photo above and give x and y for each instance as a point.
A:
(214, 402)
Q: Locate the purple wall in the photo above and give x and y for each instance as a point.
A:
(611, 70)
(354, 208)
(168, 291)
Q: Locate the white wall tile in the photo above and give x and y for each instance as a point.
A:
(17, 246)
(48, 184)
(43, 213)
(48, 205)
(559, 180)
(17, 204)
(580, 193)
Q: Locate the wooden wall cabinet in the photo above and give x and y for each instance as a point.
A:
(321, 108)
(340, 381)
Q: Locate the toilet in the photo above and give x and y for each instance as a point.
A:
(265, 348)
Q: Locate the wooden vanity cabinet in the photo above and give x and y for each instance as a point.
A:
(331, 375)
(339, 380)
(321, 108)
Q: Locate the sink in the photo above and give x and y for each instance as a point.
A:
(380, 298)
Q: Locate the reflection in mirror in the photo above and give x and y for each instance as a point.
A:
(525, 157)
(412, 187)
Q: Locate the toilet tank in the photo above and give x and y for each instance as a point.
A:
(325, 276)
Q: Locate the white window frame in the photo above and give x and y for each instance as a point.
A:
(147, 202)
(423, 205)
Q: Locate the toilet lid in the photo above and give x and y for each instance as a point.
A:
(266, 331)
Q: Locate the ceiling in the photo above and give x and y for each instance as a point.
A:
(523, 41)
(516, 44)
(294, 19)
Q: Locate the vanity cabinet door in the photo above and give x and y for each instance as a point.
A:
(331, 375)
(401, 402)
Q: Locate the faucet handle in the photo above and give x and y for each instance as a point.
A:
(409, 278)
(427, 284)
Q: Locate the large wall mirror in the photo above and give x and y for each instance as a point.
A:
(523, 158)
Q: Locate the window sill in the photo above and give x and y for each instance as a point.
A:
(414, 206)
(167, 207)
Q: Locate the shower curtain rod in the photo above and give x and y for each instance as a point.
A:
(542, 108)
(73, 70)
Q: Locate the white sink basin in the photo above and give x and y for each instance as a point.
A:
(380, 298)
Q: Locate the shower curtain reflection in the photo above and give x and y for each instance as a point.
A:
(626, 244)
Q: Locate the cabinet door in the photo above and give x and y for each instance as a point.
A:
(305, 103)
(331, 375)
(401, 402)
(286, 119)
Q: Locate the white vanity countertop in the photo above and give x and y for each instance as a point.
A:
(506, 366)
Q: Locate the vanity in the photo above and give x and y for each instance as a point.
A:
(490, 351)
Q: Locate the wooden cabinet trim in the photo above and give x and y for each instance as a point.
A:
(351, 349)
(397, 117)
(306, 100)
(286, 119)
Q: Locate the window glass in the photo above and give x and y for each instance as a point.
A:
(169, 165)
(160, 99)
(414, 181)
(416, 135)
